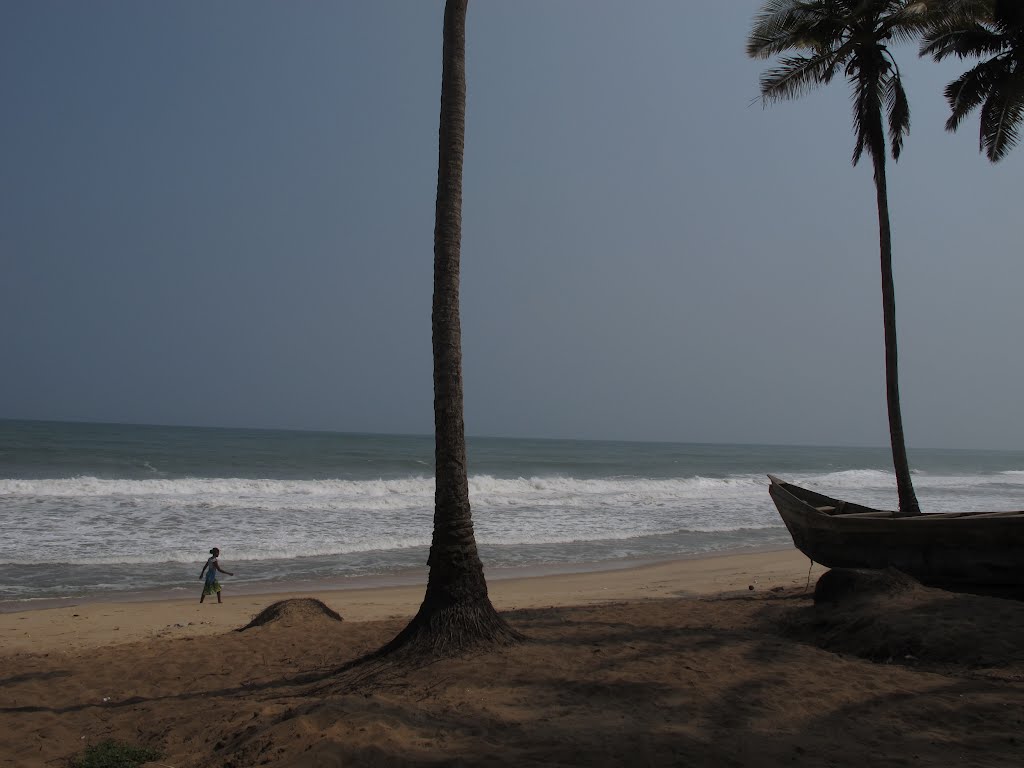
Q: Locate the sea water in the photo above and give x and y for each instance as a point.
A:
(93, 509)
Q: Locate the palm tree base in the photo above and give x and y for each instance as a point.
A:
(442, 630)
(436, 633)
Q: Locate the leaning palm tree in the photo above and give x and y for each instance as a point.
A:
(992, 30)
(456, 614)
(817, 40)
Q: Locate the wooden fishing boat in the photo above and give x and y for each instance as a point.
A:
(952, 548)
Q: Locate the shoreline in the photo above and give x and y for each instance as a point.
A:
(85, 625)
(409, 577)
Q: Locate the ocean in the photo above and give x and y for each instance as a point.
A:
(104, 510)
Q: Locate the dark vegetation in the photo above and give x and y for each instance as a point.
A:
(114, 754)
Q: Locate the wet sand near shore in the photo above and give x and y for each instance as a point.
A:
(78, 625)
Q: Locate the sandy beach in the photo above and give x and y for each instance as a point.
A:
(674, 663)
(80, 626)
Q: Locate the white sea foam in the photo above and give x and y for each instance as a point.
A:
(534, 502)
(94, 521)
(872, 481)
(90, 520)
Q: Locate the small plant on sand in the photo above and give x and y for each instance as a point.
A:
(114, 754)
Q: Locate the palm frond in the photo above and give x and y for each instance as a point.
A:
(905, 22)
(796, 75)
(984, 28)
(970, 90)
(1001, 117)
(1008, 16)
(787, 25)
(772, 27)
(947, 38)
(898, 108)
(868, 96)
(971, 10)
(977, 9)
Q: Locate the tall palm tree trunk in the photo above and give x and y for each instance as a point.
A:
(904, 486)
(456, 613)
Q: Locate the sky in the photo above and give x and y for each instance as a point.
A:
(222, 214)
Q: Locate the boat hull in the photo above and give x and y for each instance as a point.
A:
(980, 549)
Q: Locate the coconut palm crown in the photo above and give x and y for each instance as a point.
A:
(991, 30)
(816, 40)
(848, 36)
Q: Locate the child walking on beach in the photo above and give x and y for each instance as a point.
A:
(211, 585)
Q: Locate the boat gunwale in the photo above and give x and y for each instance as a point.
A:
(873, 514)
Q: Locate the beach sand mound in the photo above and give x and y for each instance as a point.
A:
(293, 611)
(888, 616)
(846, 585)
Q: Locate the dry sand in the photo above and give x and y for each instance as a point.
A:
(678, 663)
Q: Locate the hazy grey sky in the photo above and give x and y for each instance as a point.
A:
(222, 214)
